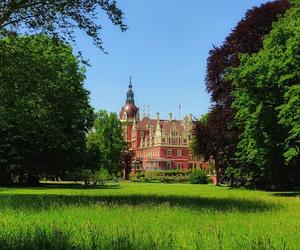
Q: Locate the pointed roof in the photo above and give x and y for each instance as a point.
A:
(130, 94)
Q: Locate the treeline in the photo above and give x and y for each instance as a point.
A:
(252, 132)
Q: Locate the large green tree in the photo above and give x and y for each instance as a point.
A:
(221, 136)
(107, 136)
(44, 108)
(59, 18)
(267, 100)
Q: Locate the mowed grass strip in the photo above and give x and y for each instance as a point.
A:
(147, 216)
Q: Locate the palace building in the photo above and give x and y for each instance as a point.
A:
(157, 144)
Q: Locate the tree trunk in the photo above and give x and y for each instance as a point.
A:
(5, 178)
(33, 179)
(217, 176)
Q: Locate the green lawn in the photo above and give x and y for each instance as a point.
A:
(148, 216)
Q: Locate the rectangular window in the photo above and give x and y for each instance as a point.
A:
(169, 152)
(169, 165)
(179, 165)
(179, 153)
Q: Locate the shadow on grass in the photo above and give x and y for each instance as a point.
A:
(287, 194)
(41, 202)
(66, 186)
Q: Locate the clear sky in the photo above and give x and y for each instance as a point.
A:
(165, 50)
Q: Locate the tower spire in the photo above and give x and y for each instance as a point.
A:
(130, 82)
(130, 94)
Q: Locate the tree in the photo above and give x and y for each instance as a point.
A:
(266, 98)
(211, 136)
(44, 108)
(107, 135)
(125, 163)
(289, 117)
(58, 18)
(246, 37)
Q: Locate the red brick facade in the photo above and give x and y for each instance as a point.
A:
(157, 144)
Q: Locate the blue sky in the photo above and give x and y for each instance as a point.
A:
(165, 50)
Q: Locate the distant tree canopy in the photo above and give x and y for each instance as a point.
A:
(107, 137)
(44, 109)
(58, 18)
(247, 37)
(267, 100)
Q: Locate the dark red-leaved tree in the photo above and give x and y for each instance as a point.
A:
(217, 138)
(214, 139)
(246, 37)
(125, 164)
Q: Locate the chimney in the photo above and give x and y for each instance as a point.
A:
(170, 116)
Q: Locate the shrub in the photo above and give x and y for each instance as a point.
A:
(198, 177)
(101, 177)
(95, 177)
(162, 176)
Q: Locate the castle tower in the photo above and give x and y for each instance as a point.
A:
(129, 114)
(129, 111)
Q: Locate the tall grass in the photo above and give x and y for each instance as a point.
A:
(148, 216)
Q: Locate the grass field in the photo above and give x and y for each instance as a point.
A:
(148, 216)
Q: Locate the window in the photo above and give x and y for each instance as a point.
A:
(169, 152)
(173, 141)
(169, 165)
(179, 165)
(142, 134)
(179, 152)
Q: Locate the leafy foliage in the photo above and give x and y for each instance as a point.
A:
(95, 177)
(107, 136)
(246, 37)
(162, 176)
(289, 114)
(219, 135)
(44, 109)
(58, 18)
(125, 163)
(214, 139)
(267, 84)
(198, 177)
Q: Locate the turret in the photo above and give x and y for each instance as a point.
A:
(129, 110)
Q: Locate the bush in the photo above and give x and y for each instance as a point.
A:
(100, 177)
(198, 177)
(95, 177)
(163, 176)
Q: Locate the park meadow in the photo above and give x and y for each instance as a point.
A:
(149, 125)
(130, 215)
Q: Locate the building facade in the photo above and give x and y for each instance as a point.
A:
(157, 144)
